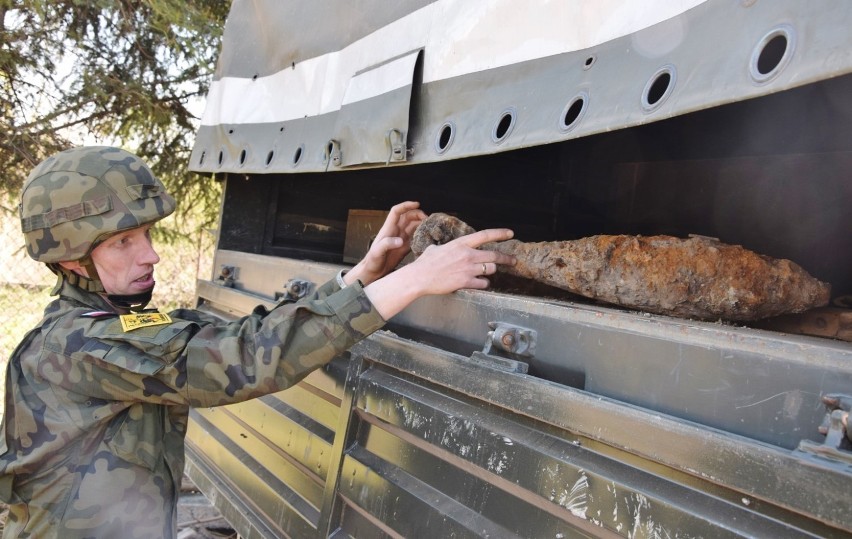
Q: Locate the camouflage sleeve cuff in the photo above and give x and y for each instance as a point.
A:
(339, 278)
(326, 289)
(355, 311)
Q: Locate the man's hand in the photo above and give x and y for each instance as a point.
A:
(441, 269)
(390, 246)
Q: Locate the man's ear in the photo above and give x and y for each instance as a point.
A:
(75, 266)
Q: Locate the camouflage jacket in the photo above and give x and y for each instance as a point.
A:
(95, 416)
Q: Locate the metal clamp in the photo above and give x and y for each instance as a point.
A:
(512, 340)
(505, 348)
(294, 290)
(838, 407)
(838, 440)
(227, 276)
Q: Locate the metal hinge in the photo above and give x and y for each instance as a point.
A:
(507, 347)
(838, 442)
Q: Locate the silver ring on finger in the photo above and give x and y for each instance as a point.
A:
(484, 269)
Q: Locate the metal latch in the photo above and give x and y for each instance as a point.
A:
(333, 155)
(506, 347)
(294, 290)
(396, 145)
(838, 441)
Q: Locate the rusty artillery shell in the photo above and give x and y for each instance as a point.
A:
(696, 277)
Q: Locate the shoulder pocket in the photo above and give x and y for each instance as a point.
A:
(123, 355)
(144, 351)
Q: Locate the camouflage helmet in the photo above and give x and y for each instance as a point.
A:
(77, 198)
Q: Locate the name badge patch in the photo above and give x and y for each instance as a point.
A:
(129, 322)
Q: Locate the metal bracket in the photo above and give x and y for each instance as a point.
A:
(838, 441)
(506, 346)
(227, 276)
(294, 290)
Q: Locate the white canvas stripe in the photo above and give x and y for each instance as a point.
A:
(382, 79)
(281, 96)
(458, 36)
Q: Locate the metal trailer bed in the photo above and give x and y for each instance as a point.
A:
(724, 118)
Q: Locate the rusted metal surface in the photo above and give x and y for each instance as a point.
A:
(697, 277)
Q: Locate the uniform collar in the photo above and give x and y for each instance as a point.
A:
(76, 294)
(74, 286)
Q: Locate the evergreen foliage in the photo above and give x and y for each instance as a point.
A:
(126, 72)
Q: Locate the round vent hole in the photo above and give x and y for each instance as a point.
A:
(659, 87)
(504, 125)
(573, 113)
(445, 138)
(771, 55)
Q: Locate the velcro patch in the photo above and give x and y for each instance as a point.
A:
(129, 322)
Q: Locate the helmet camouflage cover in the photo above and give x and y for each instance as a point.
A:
(79, 197)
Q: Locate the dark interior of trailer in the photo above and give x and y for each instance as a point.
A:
(773, 174)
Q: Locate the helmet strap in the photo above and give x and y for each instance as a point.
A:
(85, 283)
(89, 265)
(130, 302)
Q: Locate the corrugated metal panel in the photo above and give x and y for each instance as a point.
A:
(276, 451)
(409, 439)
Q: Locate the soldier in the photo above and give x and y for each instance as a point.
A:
(97, 395)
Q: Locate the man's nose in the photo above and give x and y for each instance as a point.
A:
(149, 254)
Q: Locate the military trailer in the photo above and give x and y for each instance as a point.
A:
(517, 411)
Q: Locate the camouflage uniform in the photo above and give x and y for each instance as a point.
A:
(95, 416)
